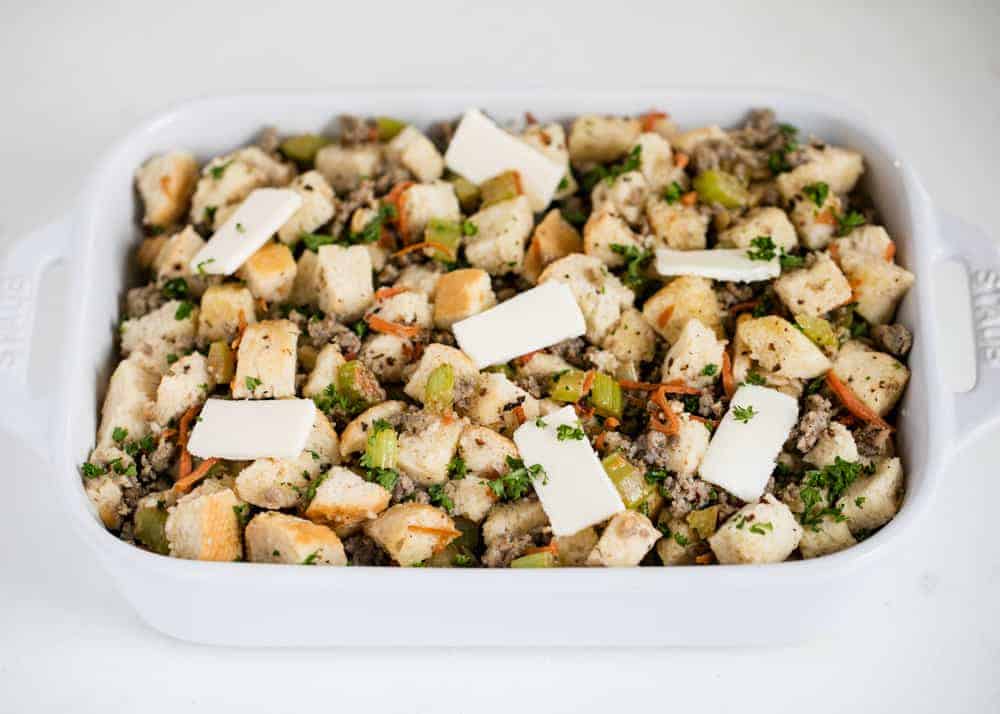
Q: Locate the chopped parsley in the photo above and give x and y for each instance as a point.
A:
(822, 488)
(540, 423)
(672, 193)
(171, 358)
(778, 160)
(252, 383)
(517, 481)
(310, 493)
(90, 470)
(815, 385)
(789, 261)
(860, 501)
(313, 241)
(217, 171)
(457, 468)
(119, 434)
(763, 248)
(817, 192)
(635, 260)
(710, 370)
(440, 498)
(656, 475)
(360, 328)
(762, 528)
(565, 432)
(184, 310)
(373, 229)
(210, 213)
(754, 378)
(176, 289)
(744, 414)
(847, 222)
(201, 266)
(681, 540)
(240, 228)
(242, 512)
(469, 228)
(609, 173)
(311, 558)
(462, 560)
(574, 217)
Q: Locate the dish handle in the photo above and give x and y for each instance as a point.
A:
(967, 283)
(26, 414)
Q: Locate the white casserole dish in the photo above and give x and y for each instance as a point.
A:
(256, 604)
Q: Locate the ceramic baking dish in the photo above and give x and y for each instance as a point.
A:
(256, 604)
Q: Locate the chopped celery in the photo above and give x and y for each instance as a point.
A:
(467, 193)
(568, 386)
(704, 521)
(628, 479)
(542, 559)
(440, 389)
(501, 187)
(447, 234)
(381, 447)
(461, 552)
(818, 330)
(722, 188)
(221, 362)
(388, 128)
(302, 149)
(150, 529)
(357, 385)
(606, 396)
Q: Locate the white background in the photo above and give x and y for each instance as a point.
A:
(75, 76)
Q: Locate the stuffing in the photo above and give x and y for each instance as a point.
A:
(878, 285)
(495, 400)
(828, 536)
(814, 290)
(626, 540)
(625, 196)
(387, 356)
(815, 224)
(680, 546)
(205, 525)
(873, 241)
(270, 272)
(106, 496)
(764, 532)
(541, 365)
(656, 162)
(165, 184)
(227, 180)
(838, 168)
(423, 201)
(695, 358)
(412, 532)
(280, 538)
(461, 294)
(355, 435)
(601, 139)
(344, 281)
(781, 349)
(173, 260)
(485, 452)
(600, 295)
(221, 309)
(878, 379)
(509, 520)
(423, 278)
(689, 140)
(344, 167)
(414, 151)
(168, 330)
(680, 300)
(632, 339)
(344, 500)
(676, 225)
(305, 289)
(426, 447)
(471, 497)
(769, 221)
(550, 139)
(317, 209)
(573, 550)
(502, 229)
(130, 397)
(324, 371)
(408, 307)
(554, 237)
(434, 356)
(603, 231)
(265, 361)
(187, 383)
(834, 442)
(872, 501)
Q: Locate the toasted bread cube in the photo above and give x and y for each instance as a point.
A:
(187, 383)
(221, 307)
(108, 500)
(130, 396)
(227, 180)
(204, 524)
(160, 333)
(409, 307)
(415, 152)
(769, 221)
(495, 400)
(317, 207)
(344, 167)
(688, 446)
(472, 498)
(573, 550)
(344, 500)
(322, 448)
(434, 356)
(632, 339)
(148, 250)
(872, 501)
(600, 295)
(695, 358)
(265, 361)
(174, 259)
(324, 372)
(387, 356)
(344, 282)
(680, 300)
(815, 225)
(554, 238)
(828, 536)
(421, 277)
(427, 446)
(680, 547)
(542, 364)
(165, 184)
(625, 196)
(837, 167)
(355, 434)
(689, 140)
(280, 538)
(550, 139)
(677, 226)
(878, 379)
(878, 285)
(656, 161)
(509, 520)
(305, 289)
(764, 532)
(815, 290)
(271, 483)
(625, 542)
(461, 294)
(871, 241)
(781, 349)
(600, 139)
(835, 442)
(485, 452)
(270, 272)
(502, 230)
(604, 230)
(424, 201)
(412, 532)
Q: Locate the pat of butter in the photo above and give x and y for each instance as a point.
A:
(718, 264)
(576, 491)
(533, 320)
(242, 430)
(741, 455)
(480, 150)
(252, 224)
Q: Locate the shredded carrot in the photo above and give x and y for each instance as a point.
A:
(599, 441)
(704, 559)
(664, 317)
(728, 384)
(650, 118)
(424, 244)
(550, 548)
(890, 252)
(853, 403)
(582, 411)
(386, 293)
(588, 382)
(690, 198)
(397, 198)
(611, 423)
(444, 535)
(672, 424)
(182, 441)
(834, 251)
(681, 160)
(745, 306)
(380, 324)
(520, 415)
(184, 485)
(826, 217)
(672, 387)
(524, 359)
(241, 327)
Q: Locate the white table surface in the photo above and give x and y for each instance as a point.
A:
(75, 76)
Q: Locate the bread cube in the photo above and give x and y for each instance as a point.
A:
(542, 364)
(600, 295)
(695, 358)
(344, 281)
(165, 184)
(632, 339)
(280, 538)
(878, 379)
(344, 167)
(502, 230)
(344, 499)
(873, 241)
(550, 140)
(835, 442)
(414, 151)
(422, 202)
(625, 542)
(601, 139)
(689, 140)
(680, 300)
(688, 445)
(815, 290)
(173, 260)
(434, 356)
(204, 524)
(461, 294)
(815, 225)
(317, 207)
(764, 532)
(837, 167)
(221, 307)
(187, 383)
(625, 196)
(485, 452)
(878, 285)
(573, 550)
(827, 536)
(554, 238)
(427, 446)
(387, 356)
(270, 272)
(108, 500)
(421, 277)
(769, 221)
(781, 349)
(509, 520)
(355, 435)
(130, 396)
(227, 180)
(656, 161)
(409, 307)
(271, 483)
(412, 532)
(305, 289)
(872, 501)
(675, 225)
(324, 372)
(265, 361)
(605, 229)
(471, 497)
(322, 448)
(168, 330)
(680, 547)
(495, 400)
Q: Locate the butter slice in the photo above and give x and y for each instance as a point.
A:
(533, 320)
(741, 455)
(252, 224)
(480, 150)
(576, 491)
(718, 264)
(241, 430)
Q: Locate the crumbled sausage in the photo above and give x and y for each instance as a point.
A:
(506, 548)
(814, 420)
(894, 339)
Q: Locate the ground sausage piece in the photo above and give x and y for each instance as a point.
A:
(406, 490)
(355, 130)
(327, 330)
(506, 548)
(894, 339)
(816, 418)
(142, 301)
(873, 441)
(362, 550)
(571, 350)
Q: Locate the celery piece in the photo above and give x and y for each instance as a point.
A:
(221, 362)
(381, 447)
(542, 559)
(388, 128)
(447, 234)
(568, 386)
(817, 329)
(357, 385)
(722, 188)
(467, 193)
(704, 521)
(150, 529)
(606, 396)
(628, 479)
(501, 187)
(302, 148)
(440, 389)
